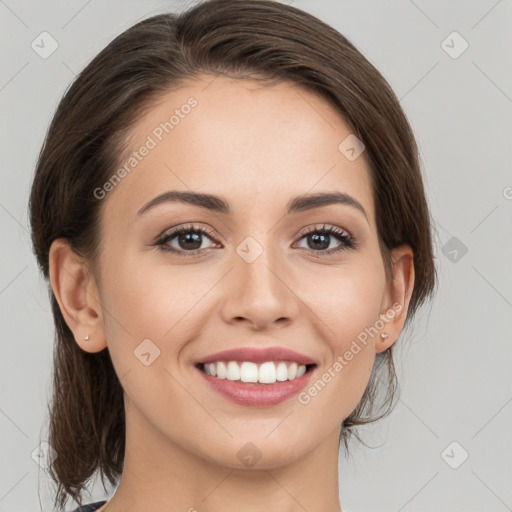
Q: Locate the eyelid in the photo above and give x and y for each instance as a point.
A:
(320, 227)
(188, 226)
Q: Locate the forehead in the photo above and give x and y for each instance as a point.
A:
(241, 140)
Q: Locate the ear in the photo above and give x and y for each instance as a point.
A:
(76, 292)
(396, 297)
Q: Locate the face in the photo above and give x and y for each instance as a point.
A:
(253, 269)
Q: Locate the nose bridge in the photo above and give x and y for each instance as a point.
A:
(258, 263)
(258, 290)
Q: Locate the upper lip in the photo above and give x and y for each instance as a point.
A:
(258, 355)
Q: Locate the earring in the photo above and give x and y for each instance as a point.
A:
(384, 336)
(86, 338)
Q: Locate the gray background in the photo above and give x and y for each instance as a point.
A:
(455, 370)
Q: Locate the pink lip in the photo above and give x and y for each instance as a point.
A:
(258, 355)
(257, 395)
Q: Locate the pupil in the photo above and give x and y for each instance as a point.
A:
(316, 239)
(188, 237)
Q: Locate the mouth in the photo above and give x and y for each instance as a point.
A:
(249, 372)
(256, 385)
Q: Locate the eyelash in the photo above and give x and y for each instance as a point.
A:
(348, 241)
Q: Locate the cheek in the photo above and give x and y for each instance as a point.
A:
(349, 304)
(150, 303)
(153, 314)
(348, 300)
(152, 300)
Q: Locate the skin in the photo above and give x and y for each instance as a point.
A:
(253, 146)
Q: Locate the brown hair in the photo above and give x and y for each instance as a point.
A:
(242, 38)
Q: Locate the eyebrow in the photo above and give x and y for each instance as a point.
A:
(220, 205)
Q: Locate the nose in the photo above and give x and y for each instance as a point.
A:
(260, 293)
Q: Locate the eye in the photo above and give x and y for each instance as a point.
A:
(184, 240)
(319, 239)
(188, 240)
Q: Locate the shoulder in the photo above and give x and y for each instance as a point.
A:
(90, 507)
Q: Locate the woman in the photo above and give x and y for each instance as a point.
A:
(225, 375)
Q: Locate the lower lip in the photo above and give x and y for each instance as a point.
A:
(257, 395)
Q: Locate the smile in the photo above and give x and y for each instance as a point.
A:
(248, 371)
(256, 385)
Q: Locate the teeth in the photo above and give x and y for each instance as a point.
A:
(233, 371)
(248, 372)
(266, 373)
(301, 370)
(292, 371)
(220, 370)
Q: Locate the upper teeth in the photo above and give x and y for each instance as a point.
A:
(266, 373)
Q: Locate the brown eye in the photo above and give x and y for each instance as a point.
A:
(186, 240)
(319, 239)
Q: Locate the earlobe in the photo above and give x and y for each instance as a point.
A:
(398, 296)
(77, 295)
